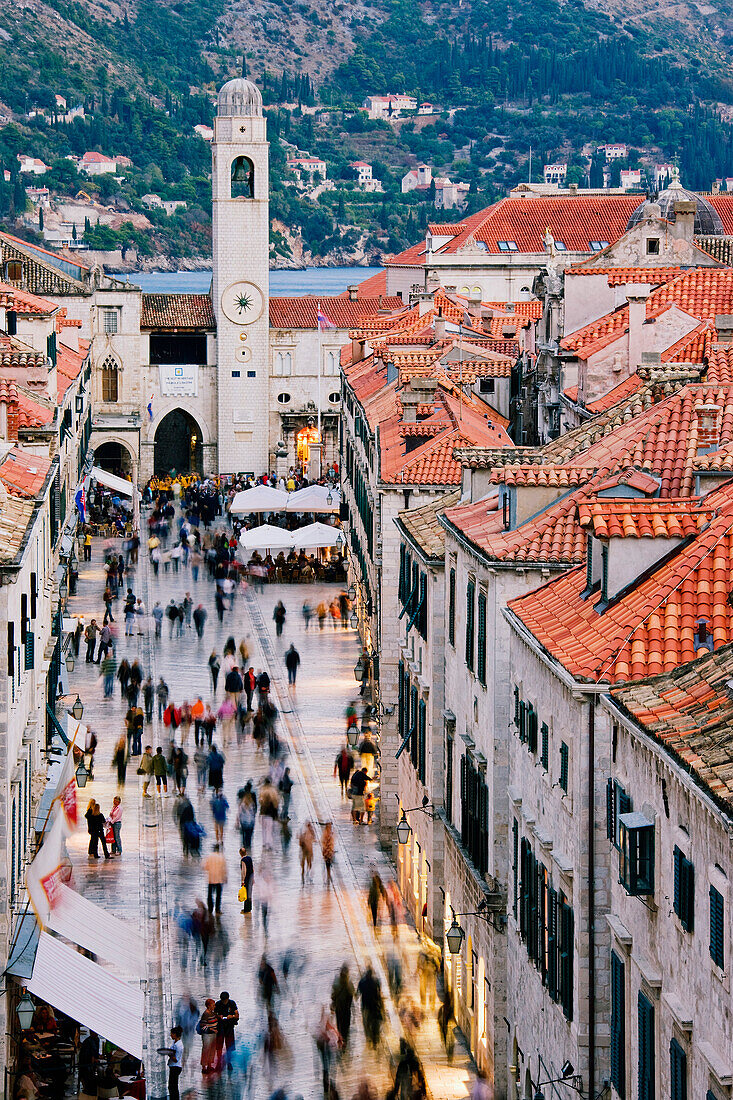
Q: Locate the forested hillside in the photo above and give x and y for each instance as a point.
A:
(560, 77)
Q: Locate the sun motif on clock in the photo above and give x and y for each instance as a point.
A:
(242, 303)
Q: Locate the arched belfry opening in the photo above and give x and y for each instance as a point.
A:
(243, 178)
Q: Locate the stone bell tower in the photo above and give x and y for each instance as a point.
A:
(241, 278)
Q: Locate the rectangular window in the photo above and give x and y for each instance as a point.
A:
(413, 726)
(14, 271)
(618, 1025)
(401, 725)
(422, 613)
(421, 738)
(677, 1071)
(23, 617)
(517, 704)
(178, 349)
(470, 593)
(481, 646)
(604, 578)
(636, 857)
(545, 752)
(515, 864)
(449, 777)
(652, 246)
(617, 803)
(110, 321)
(531, 728)
(566, 923)
(564, 763)
(552, 959)
(11, 649)
(684, 890)
(452, 607)
(522, 721)
(717, 929)
(474, 814)
(646, 1083)
(34, 595)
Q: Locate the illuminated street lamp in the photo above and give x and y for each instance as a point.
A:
(352, 736)
(354, 620)
(403, 829)
(70, 662)
(359, 669)
(454, 937)
(26, 1011)
(63, 588)
(77, 710)
(81, 775)
(351, 593)
(329, 498)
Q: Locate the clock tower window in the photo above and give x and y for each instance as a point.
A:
(243, 178)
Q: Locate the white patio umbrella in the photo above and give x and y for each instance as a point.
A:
(266, 537)
(315, 535)
(314, 498)
(260, 498)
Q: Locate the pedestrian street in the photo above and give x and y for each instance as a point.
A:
(314, 928)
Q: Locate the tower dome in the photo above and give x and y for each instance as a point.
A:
(239, 98)
(708, 222)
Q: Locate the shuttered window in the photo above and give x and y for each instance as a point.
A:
(421, 734)
(677, 1071)
(545, 753)
(474, 814)
(452, 607)
(552, 954)
(401, 726)
(646, 1089)
(516, 707)
(470, 603)
(567, 933)
(617, 803)
(515, 864)
(481, 647)
(684, 890)
(564, 762)
(717, 931)
(422, 615)
(618, 1025)
(413, 726)
(531, 728)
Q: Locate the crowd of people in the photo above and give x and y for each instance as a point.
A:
(183, 745)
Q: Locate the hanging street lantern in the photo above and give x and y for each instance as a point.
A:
(26, 1011)
(70, 662)
(454, 937)
(81, 775)
(360, 669)
(351, 593)
(352, 736)
(403, 829)
(78, 709)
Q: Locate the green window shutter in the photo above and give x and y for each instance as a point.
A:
(515, 864)
(30, 650)
(684, 889)
(522, 722)
(524, 888)
(401, 701)
(645, 1077)
(552, 952)
(618, 1025)
(413, 726)
(401, 583)
(531, 729)
(589, 565)
(545, 754)
(532, 906)
(516, 707)
(422, 617)
(452, 607)
(567, 934)
(421, 725)
(604, 574)
(481, 649)
(610, 812)
(677, 1071)
(470, 592)
(717, 930)
(564, 761)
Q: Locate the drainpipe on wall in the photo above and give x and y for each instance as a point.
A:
(591, 900)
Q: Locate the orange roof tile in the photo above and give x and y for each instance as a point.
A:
(21, 301)
(629, 385)
(619, 276)
(692, 348)
(69, 364)
(14, 353)
(720, 363)
(550, 476)
(24, 473)
(611, 518)
(650, 628)
(177, 311)
(373, 287)
(302, 312)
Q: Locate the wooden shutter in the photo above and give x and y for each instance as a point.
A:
(515, 864)
(470, 591)
(646, 1090)
(567, 933)
(531, 728)
(545, 755)
(677, 1071)
(717, 931)
(618, 1025)
(610, 814)
(684, 889)
(421, 722)
(452, 607)
(564, 755)
(552, 952)
(481, 654)
(401, 701)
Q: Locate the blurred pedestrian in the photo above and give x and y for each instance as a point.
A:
(292, 660)
(219, 811)
(372, 1006)
(328, 850)
(248, 873)
(115, 820)
(306, 839)
(279, 616)
(342, 999)
(208, 1027)
(215, 867)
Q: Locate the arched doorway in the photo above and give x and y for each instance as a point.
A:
(178, 445)
(114, 458)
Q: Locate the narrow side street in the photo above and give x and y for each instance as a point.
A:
(152, 884)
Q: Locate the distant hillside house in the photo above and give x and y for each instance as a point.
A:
(555, 173)
(38, 195)
(389, 106)
(614, 152)
(417, 179)
(312, 165)
(206, 132)
(97, 164)
(631, 179)
(154, 202)
(364, 178)
(449, 195)
(427, 109)
(32, 165)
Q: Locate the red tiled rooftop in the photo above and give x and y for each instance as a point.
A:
(21, 301)
(24, 473)
(549, 475)
(619, 276)
(642, 519)
(372, 287)
(177, 311)
(14, 353)
(302, 312)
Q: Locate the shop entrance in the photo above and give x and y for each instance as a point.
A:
(178, 445)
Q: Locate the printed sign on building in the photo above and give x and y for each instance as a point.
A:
(179, 381)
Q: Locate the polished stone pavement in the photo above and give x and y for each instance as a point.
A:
(152, 881)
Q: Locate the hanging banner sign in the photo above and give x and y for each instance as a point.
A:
(179, 381)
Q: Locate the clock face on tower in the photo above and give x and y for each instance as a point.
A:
(242, 303)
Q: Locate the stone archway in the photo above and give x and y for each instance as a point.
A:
(178, 444)
(115, 458)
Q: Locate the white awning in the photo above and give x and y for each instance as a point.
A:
(93, 928)
(87, 992)
(315, 535)
(126, 488)
(266, 537)
(260, 498)
(314, 498)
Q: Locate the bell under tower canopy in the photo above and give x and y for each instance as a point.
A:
(239, 98)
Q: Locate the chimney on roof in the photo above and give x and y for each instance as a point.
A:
(684, 220)
(636, 295)
(410, 400)
(573, 188)
(487, 316)
(716, 187)
(353, 292)
(724, 328)
(708, 418)
(357, 349)
(651, 359)
(439, 325)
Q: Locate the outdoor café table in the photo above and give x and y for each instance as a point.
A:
(132, 1086)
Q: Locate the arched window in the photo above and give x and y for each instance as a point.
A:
(110, 380)
(283, 363)
(524, 294)
(243, 178)
(332, 363)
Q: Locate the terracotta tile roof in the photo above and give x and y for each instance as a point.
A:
(720, 363)
(723, 203)
(692, 348)
(33, 411)
(424, 527)
(634, 478)
(629, 385)
(651, 628)
(574, 220)
(690, 711)
(177, 311)
(302, 312)
(703, 293)
(69, 364)
(642, 519)
(553, 538)
(550, 476)
(14, 353)
(24, 303)
(445, 230)
(372, 287)
(720, 460)
(23, 473)
(619, 276)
